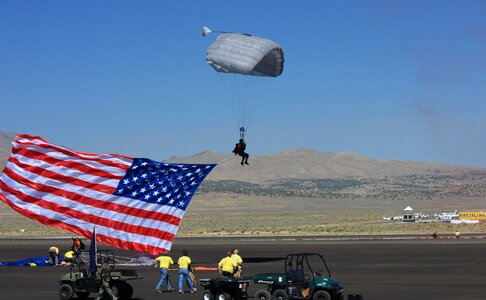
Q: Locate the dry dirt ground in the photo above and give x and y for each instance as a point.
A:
(216, 214)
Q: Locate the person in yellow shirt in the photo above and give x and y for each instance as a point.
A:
(184, 263)
(163, 262)
(227, 266)
(238, 261)
(68, 258)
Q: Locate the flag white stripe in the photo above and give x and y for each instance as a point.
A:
(64, 171)
(95, 194)
(94, 211)
(61, 156)
(111, 157)
(102, 230)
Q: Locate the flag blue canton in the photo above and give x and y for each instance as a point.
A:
(162, 183)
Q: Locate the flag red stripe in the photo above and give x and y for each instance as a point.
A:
(126, 227)
(62, 178)
(137, 212)
(65, 163)
(101, 238)
(81, 155)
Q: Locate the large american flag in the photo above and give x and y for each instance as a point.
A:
(134, 203)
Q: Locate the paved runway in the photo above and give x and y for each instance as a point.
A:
(392, 269)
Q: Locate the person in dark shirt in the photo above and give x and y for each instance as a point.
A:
(240, 150)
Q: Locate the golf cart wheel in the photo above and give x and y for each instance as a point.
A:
(207, 296)
(263, 295)
(82, 295)
(280, 295)
(223, 296)
(66, 292)
(321, 295)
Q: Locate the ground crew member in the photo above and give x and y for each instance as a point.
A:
(77, 245)
(104, 272)
(184, 263)
(54, 255)
(227, 266)
(457, 234)
(238, 261)
(163, 262)
(69, 257)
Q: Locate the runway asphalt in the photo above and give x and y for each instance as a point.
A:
(377, 269)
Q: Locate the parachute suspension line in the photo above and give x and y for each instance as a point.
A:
(230, 98)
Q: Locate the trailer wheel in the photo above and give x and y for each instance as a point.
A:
(321, 295)
(263, 295)
(207, 295)
(280, 295)
(128, 291)
(66, 292)
(223, 296)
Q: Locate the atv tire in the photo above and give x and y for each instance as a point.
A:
(263, 295)
(321, 295)
(280, 295)
(66, 292)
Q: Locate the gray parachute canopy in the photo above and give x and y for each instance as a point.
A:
(245, 54)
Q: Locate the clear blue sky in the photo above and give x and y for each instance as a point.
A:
(387, 79)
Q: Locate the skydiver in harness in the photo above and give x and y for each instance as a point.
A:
(240, 150)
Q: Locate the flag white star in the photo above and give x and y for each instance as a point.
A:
(171, 201)
(147, 197)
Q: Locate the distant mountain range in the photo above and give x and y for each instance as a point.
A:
(305, 172)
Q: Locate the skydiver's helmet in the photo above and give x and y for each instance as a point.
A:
(242, 141)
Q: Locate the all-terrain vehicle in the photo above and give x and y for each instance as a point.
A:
(306, 277)
(80, 282)
(225, 288)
